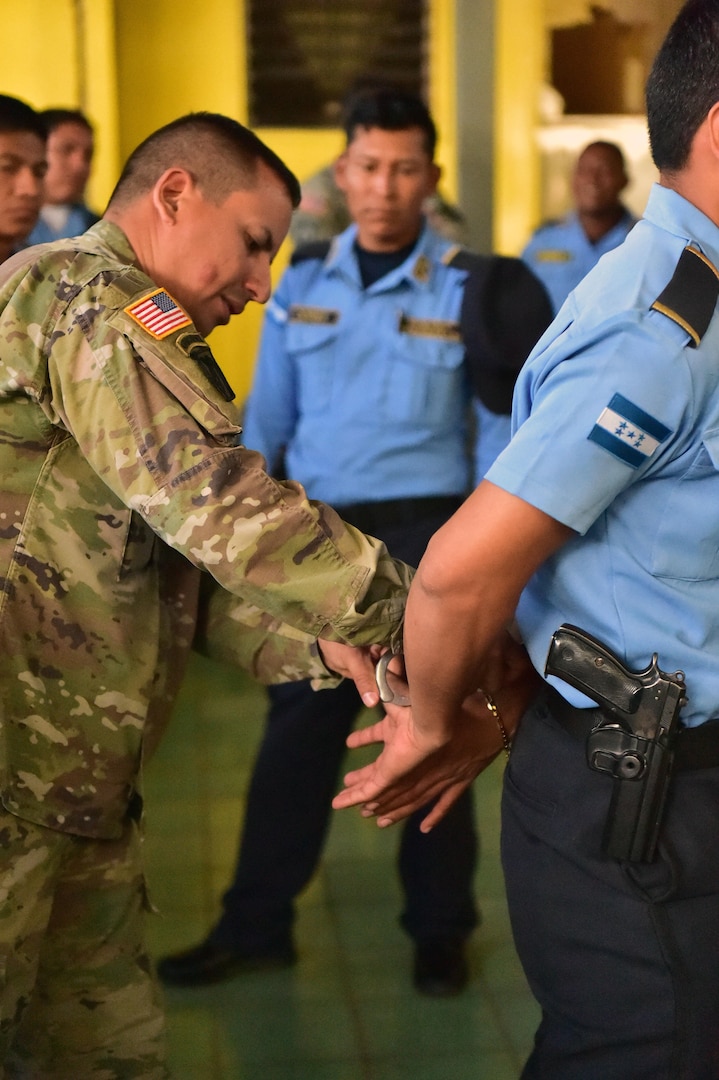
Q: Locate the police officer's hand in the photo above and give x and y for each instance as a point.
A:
(354, 663)
(410, 771)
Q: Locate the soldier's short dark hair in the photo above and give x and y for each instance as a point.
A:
(683, 84)
(221, 154)
(17, 115)
(390, 110)
(56, 117)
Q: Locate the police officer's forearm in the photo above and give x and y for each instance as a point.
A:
(463, 597)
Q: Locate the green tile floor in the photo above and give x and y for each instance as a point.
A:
(347, 1011)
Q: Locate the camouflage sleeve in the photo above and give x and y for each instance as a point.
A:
(322, 212)
(148, 419)
(240, 634)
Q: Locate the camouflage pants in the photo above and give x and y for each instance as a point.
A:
(78, 1000)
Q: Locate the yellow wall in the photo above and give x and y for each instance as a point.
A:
(63, 54)
(201, 66)
(520, 63)
(133, 65)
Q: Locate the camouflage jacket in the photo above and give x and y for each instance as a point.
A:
(123, 480)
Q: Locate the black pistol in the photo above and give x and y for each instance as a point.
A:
(633, 739)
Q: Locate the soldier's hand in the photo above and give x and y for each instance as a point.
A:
(353, 663)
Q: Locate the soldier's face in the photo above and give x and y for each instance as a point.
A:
(216, 258)
(386, 176)
(22, 167)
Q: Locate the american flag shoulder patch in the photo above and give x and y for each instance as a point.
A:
(628, 432)
(159, 314)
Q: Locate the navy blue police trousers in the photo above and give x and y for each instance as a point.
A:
(296, 775)
(622, 958)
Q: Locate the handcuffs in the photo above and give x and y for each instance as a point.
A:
(386, 693)
(390, 696)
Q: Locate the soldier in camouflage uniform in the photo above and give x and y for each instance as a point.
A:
(123, 482)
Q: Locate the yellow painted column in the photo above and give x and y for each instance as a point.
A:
(40, 56)
(98, 94)
(442, 90)
(63, 54)
(520, 64)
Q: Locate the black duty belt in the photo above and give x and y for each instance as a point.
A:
(387, 513)
(695, 748)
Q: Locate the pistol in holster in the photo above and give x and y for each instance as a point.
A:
(633, 739)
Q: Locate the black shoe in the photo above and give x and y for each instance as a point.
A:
(209, 963)
(440, 967)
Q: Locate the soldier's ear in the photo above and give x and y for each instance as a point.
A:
(172, 189)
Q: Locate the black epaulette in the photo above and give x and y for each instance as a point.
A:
(505, 310)
(317, 249)
(691, 296)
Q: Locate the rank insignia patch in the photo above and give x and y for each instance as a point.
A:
(158, 314)
(316, 316)
(628, 432)
(553, 255)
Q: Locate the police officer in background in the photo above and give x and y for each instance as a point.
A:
(136, 527)
(363, 387)
(70, 150)
(562, 252)
(323, 211)
(23, 164)
(601, 514)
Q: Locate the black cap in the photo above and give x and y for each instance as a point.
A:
(505, 310)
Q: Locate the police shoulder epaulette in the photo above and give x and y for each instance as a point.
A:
(691, 295)
(318, 249)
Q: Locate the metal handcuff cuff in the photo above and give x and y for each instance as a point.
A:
(390, 696)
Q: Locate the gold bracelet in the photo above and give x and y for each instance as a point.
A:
(507, 742)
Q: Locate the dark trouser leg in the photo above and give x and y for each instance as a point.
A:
(437, 871)
(287, 812)
(289, 806)
(624, 962)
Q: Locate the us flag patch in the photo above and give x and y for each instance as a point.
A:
(158, 314)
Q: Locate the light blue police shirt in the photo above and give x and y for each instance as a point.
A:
(616, 434)
(561, 254)
(365, 389)
(78, 221)
(494, 431)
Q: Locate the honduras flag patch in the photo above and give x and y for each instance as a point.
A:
(628, 432)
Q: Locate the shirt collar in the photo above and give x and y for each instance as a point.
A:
(110, 239)
(675, 214)
(417, 270)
